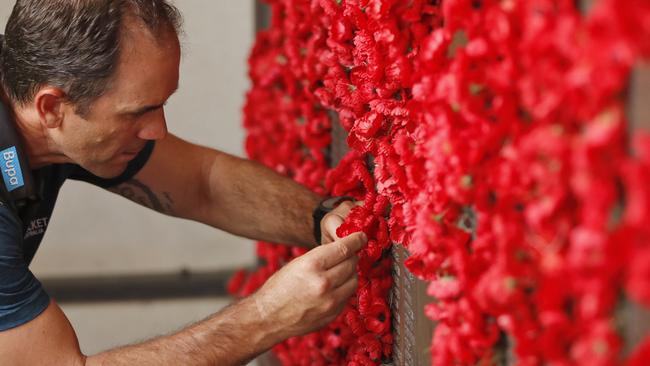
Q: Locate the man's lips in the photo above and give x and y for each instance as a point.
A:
(130, 154)
(133, 152)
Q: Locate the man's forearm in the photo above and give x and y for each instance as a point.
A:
(250, 200)
(233, 336)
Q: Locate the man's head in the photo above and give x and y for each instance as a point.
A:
(73, 44)
(96, 73)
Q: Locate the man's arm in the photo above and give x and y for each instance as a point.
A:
(303, 296)
(236, 195)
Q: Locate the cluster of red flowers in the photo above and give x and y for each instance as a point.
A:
(489, 138)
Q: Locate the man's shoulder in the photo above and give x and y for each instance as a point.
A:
(22, 298)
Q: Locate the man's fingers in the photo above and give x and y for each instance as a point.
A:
(342, 272)
(334, 219)
(331, 222)
(344, 208)
(340, 250)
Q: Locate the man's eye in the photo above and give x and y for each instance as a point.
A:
(139, 114)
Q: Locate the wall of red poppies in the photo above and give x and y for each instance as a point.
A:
(501, 158)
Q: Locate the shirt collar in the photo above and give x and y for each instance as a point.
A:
(16, 174)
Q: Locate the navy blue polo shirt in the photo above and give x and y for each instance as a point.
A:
(27, 199)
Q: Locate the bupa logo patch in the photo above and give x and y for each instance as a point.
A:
(11, 172)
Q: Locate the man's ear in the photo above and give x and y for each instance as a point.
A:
(49, 103)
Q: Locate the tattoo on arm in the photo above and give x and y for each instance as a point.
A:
(140, 193)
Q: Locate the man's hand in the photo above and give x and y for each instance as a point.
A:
(334, 219)
(311, 291)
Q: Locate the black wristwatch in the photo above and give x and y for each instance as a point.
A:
(324, 207)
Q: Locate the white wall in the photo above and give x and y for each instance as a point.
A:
(95, 232)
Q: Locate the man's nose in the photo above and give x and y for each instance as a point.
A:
(154, 128)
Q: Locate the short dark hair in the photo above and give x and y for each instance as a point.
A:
(72, 44)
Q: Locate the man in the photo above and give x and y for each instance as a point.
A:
(84, 87)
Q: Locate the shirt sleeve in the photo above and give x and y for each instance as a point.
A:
(78, 173)
(22, 297)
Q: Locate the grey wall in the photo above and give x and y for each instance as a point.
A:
(95, 232)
